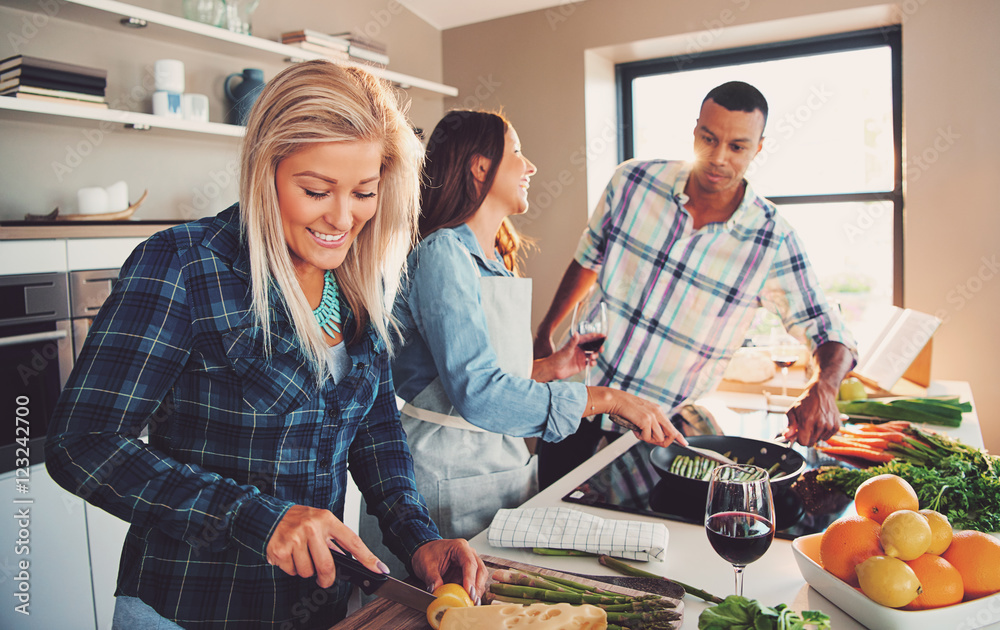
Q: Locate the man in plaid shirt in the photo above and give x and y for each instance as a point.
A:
(683, 254)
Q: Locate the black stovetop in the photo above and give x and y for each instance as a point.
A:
(631, 484)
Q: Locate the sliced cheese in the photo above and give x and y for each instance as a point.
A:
(531, 617)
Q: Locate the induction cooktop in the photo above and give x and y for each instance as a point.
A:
(631, 484)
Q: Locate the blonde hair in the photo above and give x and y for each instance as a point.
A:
(318, 101)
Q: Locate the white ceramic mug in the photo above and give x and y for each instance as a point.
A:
(169, 75)
(195, 107)
(167, 104)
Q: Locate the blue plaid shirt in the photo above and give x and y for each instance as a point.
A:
(235, 438)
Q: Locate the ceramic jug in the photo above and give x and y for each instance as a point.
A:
(244, 95)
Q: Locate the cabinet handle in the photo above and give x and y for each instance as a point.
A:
(32, 338)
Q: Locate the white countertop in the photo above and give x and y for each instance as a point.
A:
(774, 579)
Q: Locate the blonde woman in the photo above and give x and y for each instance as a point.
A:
(254, 347)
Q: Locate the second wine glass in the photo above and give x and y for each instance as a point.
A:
(592, 326)
(739, 515)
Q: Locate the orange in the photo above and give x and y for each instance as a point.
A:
(882, 495)
(977, 557)
(941, 582)
(846, 543)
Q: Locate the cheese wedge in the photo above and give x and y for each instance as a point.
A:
(531, 617)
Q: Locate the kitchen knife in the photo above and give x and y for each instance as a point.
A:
(380, 584)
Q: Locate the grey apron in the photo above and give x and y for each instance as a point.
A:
(465, 473)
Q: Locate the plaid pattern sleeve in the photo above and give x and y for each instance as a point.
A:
(792, 292)
(236, 436)
(382, 466)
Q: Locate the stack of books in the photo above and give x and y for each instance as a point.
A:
(328, 45)
(22, 76)
(366, 50)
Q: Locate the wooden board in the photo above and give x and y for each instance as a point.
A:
(381, 614)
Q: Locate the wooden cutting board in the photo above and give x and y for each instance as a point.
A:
(381, 614)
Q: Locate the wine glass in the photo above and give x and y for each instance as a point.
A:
(739, 515)
(785, 353)
(593, 326)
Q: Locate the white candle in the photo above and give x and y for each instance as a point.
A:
(92, 200)
(117, 197)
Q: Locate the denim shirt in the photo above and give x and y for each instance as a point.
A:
(236, 437)
(445, 333)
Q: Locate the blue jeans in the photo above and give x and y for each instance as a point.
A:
(131, 613)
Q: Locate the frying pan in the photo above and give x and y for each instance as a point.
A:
(686, 497)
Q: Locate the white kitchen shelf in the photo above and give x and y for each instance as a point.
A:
(108, 14)
(29, 109)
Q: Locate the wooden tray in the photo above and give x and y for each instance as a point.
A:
(381, 614)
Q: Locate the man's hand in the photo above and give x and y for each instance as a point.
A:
(450, 560)
(814, 416)
(301, 544)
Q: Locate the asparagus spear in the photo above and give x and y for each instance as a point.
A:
(628, 569)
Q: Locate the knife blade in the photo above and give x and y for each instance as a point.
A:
(380, 584)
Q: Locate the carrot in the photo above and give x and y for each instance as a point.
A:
(876, 444)
(892, 425)
(858, 452)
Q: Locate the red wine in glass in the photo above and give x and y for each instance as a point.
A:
(590, 322)
(740, 538)
(739, 515)
(593, 345)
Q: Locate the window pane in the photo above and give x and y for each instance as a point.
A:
(829, 129)
(850, 247)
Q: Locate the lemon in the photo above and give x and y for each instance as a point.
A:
(941, 531)
(905, 535)
(888, 581)
(852, 389)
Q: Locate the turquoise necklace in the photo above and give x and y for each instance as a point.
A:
(328, 312)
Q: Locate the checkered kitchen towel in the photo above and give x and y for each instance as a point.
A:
(563, 528)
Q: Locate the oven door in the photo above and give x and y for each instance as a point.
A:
(36, 357)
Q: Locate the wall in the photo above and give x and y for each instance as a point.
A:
(188, 176)
(534, 65)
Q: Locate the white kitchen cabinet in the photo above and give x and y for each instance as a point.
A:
(57, 552)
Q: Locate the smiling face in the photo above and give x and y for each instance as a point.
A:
(327, 191)
(510, 186)
(725, 142)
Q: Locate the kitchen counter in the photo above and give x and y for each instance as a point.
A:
(773, 579)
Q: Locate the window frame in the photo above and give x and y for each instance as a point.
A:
(891, 36)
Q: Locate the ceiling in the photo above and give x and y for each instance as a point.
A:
(445, 14)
